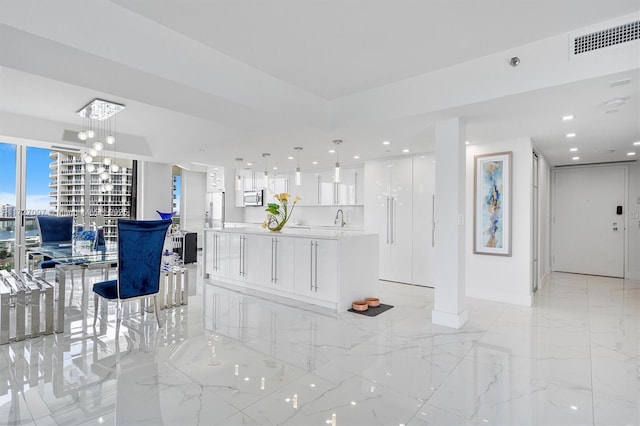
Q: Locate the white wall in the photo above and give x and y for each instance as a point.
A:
(155, 181)
(193, 202)
(501, 278)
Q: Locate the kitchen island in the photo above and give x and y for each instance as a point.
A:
(326, 267)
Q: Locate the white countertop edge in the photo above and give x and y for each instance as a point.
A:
(295, 232)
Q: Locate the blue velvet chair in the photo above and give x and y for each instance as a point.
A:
(139, 257)
(165, 215)
(54, 229)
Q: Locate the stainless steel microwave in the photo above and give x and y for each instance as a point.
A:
(253, 198)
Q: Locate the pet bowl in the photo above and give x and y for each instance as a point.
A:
(360, 305)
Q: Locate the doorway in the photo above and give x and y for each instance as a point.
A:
(589, 217)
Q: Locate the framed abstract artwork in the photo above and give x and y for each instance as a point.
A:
(492, 203)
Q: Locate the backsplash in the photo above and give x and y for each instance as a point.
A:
(312, 215)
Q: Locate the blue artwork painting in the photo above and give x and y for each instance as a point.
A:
(492, 215)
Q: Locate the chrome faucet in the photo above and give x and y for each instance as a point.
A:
(341, 214)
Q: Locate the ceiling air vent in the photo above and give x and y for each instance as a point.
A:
(604, 38)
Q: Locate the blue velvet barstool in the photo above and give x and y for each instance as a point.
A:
(140, 245)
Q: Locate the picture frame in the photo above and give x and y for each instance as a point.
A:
(492, 204)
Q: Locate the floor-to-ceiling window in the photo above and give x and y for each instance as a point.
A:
(39, 181)
(7, 205)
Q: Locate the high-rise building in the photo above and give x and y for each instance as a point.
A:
(68, 190)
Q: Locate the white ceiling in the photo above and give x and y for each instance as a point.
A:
(211, 81)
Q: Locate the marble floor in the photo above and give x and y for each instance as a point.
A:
(230, 358)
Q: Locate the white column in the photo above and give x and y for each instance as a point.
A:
(449, 305)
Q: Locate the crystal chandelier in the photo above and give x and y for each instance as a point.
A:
(99, 134)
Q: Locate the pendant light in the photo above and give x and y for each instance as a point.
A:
(336, 176)
(298, 174)
(265, 177)
(239, 184)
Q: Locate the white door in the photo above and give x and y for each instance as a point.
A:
(424, 180)
(376, 210)
(401, 221)
(588, 232)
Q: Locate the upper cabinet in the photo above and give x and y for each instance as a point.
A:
(316, 188)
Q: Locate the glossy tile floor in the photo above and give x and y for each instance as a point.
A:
(235, 359)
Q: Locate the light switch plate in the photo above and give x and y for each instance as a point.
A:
(634, 215)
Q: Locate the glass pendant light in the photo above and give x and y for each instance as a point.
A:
(298, 179)
(265, 177)
(336, 176)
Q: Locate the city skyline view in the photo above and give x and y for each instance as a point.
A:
(37, 199)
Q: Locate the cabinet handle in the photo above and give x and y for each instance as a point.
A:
(215, 252)
(275, 264)
(272, 250)
(387, 219)
(241, 255)
(316, 266)
(393, 220)
(318, 186)
(433, 220)
(311, 266)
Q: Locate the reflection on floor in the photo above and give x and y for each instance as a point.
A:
(235, 359)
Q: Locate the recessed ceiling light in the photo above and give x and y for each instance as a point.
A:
(630, 154)
(405, 150)
(314, 162)
(573, 149)
(567, 117)
(575, 158)
(356, 157)
(249, 164)
(289, 158)
(386, 143)
(467, 142)
(636, 143)
(571, 135)
(275, 167)
(331, 151)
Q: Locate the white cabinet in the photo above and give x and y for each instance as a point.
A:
(246, 180)
(315, 268)
(271, 261)
(281, 267)
(311, 268)
(319, 189)
(326, 188)
(218, 254)
(424, 178)
(388, 211)
(278, 185)
(243, 257)
(252, 180)
(307, 191)
(345, 190)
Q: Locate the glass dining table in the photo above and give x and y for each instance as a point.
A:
(69, 257)
(81, 256)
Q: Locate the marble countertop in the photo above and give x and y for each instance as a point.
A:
(298, 232)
